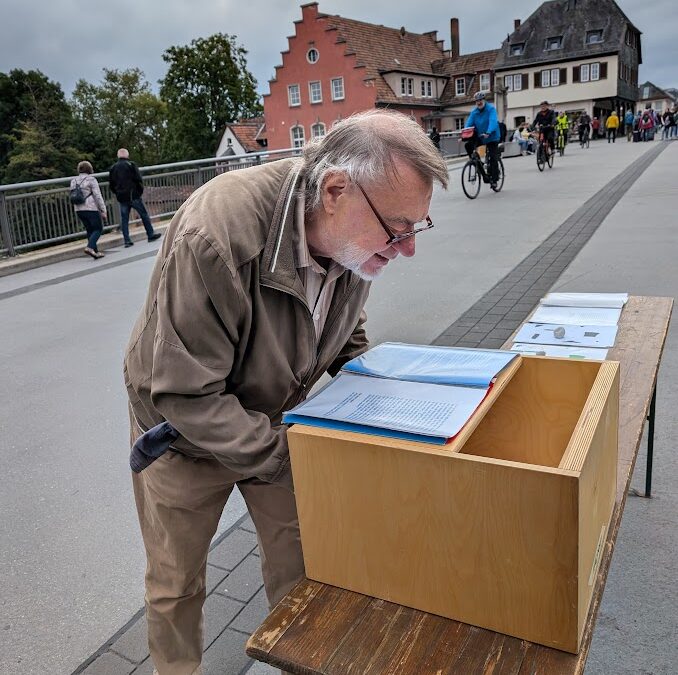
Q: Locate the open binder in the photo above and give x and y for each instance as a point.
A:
(412, 392)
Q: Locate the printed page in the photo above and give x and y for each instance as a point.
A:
(437, 365)
(413, 407)
(574, 336)
(590, 353)
(576, 316)
(616, 300)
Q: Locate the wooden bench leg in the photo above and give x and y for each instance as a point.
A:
(650, 445)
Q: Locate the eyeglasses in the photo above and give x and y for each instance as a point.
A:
(394, 238)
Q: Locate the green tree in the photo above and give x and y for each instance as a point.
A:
(207, 85)
(31, 105)
(121, 111)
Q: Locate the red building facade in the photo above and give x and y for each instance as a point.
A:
(336, 66)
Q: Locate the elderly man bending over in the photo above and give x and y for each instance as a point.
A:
(258, 290)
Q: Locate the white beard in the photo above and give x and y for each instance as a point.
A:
(352, 256)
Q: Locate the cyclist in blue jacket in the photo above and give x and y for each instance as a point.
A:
(484, 119)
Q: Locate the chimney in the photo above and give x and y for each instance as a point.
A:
(454, 38)
(516, 24)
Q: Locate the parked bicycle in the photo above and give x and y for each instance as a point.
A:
(477, 171)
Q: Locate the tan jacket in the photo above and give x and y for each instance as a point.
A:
(225, 342)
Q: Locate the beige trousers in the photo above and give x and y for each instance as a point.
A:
(180, 501)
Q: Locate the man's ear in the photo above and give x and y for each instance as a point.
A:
(335, 185)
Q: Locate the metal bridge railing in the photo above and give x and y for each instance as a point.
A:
(38, 213)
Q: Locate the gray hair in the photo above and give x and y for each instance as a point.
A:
(123, 153)
(365, 147)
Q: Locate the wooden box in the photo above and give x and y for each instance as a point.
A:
(503, 528)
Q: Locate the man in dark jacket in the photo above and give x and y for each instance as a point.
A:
(127, 186)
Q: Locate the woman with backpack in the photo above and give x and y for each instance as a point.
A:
(89, 206)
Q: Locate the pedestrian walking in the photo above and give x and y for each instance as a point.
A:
(258, 290)
(628, 124)
(89, 206)
(612, 125)
(646, 126)
(595, 126)
(667, 122)
(127, 186)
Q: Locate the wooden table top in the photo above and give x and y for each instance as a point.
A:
(319, 629)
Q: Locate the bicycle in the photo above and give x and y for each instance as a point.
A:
(561, 142)
(544, 152)
(584, 137)
(477, 171)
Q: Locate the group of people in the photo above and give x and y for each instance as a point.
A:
(126, 184)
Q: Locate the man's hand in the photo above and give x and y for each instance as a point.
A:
(484, 135)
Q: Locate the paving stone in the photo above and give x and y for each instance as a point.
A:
(233, 549)
(133, 643)
(145, 668)
(109, 664)
(215, 575)
(244, 581)
(253, 615)
(226, 655)
(261, 668)
(219, 612)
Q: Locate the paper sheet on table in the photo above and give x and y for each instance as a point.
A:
(576, 316)
(616, 300)
(553, 350)
(413, 407)
(573, 336)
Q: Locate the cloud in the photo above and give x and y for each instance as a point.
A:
(73, 39)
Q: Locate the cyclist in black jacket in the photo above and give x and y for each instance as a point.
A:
(545, 120)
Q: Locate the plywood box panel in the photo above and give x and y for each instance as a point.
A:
(478, 535)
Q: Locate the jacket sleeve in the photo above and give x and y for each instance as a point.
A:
(355, 346)
(138, 181)
(112, 183)
(493, 123)
(470, 118)
(96, 193)
(195, 345)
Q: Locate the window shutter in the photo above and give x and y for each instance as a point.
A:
(575, 74)
(603, 71)
(526, 81)
(537, 80)
(563, 76)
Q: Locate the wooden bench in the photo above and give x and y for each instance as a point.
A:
(319, 629)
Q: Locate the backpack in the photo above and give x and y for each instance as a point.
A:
(76, 195)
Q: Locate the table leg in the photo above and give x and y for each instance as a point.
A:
(650, 445)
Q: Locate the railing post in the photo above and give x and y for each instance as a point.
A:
(4, 226)
(197, 180)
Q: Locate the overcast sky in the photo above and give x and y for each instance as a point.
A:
(72, 39)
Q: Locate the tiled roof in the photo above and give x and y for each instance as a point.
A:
(655, 92)
(467, 65)
(248, 132)
(571, 19)
(379, 49)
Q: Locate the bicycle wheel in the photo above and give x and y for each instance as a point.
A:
(470, 180)
(561, 145)
(500, 181)
(549, 158)
(541, 158)
(588, 141)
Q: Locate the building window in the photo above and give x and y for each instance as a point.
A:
(484, 82)
(595, 71)
(517, 49)
(554, 43)
(312, 55)
(517, 82)
(555, 77)
(293, 94)
(460, 86)
(337, 88)
(459, 123)
(318, 130)
(646, 92)
(427, 88)
(297, 135)
(584, 73)
(407, 86)
(315, 93)
(545, 78)
(508, 82)
(594, 37)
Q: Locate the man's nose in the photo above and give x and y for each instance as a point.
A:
(406, 247)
